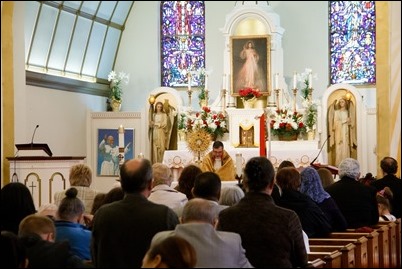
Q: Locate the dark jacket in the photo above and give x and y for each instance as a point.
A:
(123, 230)
(314, 222)
(45, 254)
(394, 184)
(356, 201)
(271, 235)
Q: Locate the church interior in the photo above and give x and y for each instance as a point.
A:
(97, 83)
(71, 120)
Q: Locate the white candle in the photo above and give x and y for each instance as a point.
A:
(277, 81)
(121, 136)
(189, 81)
(310, 80)
(206, 82)
(141, 156)
(294, 81)
(239, 164)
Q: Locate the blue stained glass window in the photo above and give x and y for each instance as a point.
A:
(182, 42)
(352, 42)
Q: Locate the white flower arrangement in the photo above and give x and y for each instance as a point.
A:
(306, 78)
(116, 82)
(211, 121)
(310, 114)
(310, 106)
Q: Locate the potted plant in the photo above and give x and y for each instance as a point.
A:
(249, 96)
(202, 95)
(182, 124)
(310, 119)
(116, 90)
(287, 125)
(214, 123)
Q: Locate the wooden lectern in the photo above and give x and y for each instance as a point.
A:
(35, 148)
(334, 170)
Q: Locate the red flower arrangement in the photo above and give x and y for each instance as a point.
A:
(287, 123)
(248, 93)
(211, 121)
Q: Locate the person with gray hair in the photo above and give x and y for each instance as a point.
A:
(231, 195)
(356, 201)
(162, 192)
(216, 249)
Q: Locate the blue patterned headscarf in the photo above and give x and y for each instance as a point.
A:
(312, 186)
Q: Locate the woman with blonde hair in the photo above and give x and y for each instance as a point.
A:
(80, 178)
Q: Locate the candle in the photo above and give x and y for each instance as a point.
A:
(141, 156)
(310, 80)
(189, 82)
(121, 136)
(277, 81)
(239, 164)
(294, 80)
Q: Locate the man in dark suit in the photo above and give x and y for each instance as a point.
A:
(389, 167)
(122, 231)
(356, 201)
(271, 235)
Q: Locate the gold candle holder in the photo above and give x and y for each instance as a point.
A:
(310, 95)
(294, 98)
(277, 98)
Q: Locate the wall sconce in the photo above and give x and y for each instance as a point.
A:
(151, 99)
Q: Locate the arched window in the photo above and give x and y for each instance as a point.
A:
(352, 42)
(182, 42)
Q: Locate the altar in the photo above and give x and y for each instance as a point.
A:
(300, 152)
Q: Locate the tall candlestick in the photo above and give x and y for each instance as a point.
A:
(239, 164)
(277, 81)
(310, 80)
(295, 80)
(189, 82)
(121, 136)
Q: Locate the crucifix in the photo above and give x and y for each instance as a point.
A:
(32, 186)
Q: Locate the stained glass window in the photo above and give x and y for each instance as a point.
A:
(182, 42)
(352, 42)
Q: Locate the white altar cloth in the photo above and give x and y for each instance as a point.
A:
(301, 153)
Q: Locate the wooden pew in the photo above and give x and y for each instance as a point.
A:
(332, 259)
(394, 246)
(348, 253)
(384, 245)
(317, 263)
(372, 244)
(361, 256)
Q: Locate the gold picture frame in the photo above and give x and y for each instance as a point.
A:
(245, 72)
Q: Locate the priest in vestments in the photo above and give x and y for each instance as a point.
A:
(219, 162)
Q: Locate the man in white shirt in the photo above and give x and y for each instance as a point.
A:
(162, 192)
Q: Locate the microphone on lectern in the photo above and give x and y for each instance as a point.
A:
(320, 150)
(37, 126)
